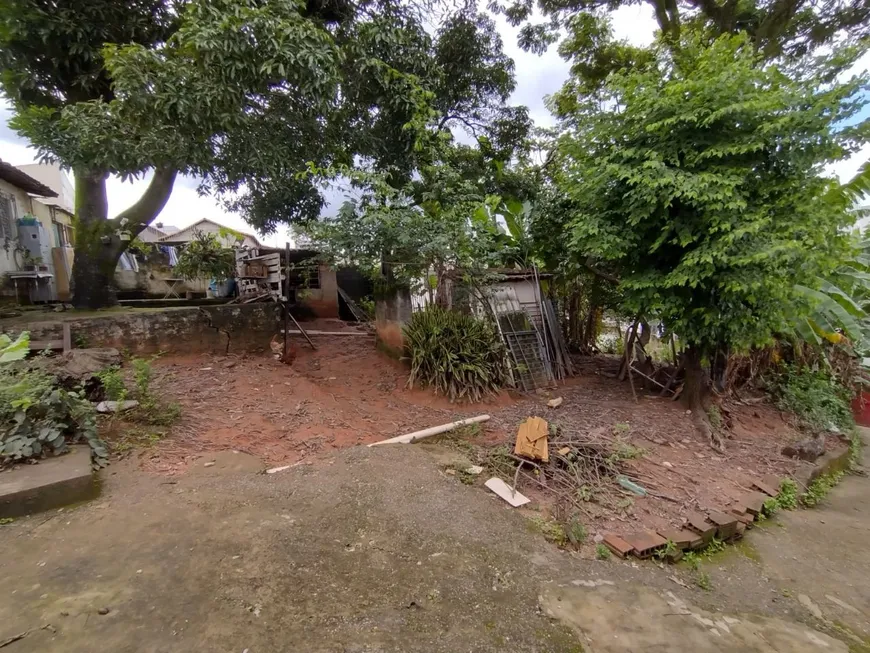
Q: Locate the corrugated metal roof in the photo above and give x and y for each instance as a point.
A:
(22, 180)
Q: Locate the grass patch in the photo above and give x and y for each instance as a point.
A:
(602, 552)
(819, 489)
(703, 581)
(552, 530)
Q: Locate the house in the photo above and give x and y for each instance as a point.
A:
(226, 235)
(25, 235)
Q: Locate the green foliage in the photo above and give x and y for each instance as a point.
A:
(6, 520)
(602, 552)
(112, 381)
(39, 417)
(703, 581)
(787, 498)
(205, 258)
(575, 531)
(818, 399)
(668, 551)
(459, 355)
(699, 185)
(11, 351)
(551, 529)
(819, 489)
(693, 560)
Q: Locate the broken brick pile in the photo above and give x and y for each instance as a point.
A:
(699, 528)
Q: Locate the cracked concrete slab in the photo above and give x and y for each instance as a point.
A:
(626, 618)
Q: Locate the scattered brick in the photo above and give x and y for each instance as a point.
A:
(726, 525)
(738, 533)
(645, 543)
(772, 482)
(743, 517)
(754, 502)
(765, 487)
(697, 522)
(618, 545)
(682, 538)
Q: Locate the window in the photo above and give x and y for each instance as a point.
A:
(63, 234)
(305, 275)
(8, 215)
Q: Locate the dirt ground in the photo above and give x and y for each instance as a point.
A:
(348, 393)
(376, 550)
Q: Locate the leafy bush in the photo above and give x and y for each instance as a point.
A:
(205, 257)
(459, 355)
(37, 416)
(815, 397)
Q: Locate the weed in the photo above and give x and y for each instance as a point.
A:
(602, 552)
(157, 414)
(670, 550)
(715, 417)
(550, 529)
(716, 546)
(855, 445)
(693, 560)
(817, 398)
(769, 508)
(703, 581)
(499, 460)
(113, 383)
(136, 439)
(576, 531)
(142, 377)
(788, 494)
(6, 520)
(81, 341)
(464, 477)
(819, 489)
(621, 428)
(624, 451)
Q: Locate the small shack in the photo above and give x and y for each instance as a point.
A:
(260, 272)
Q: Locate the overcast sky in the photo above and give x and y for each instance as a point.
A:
(537, 77)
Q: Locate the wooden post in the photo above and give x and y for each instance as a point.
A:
(286, 296)
(629, 346)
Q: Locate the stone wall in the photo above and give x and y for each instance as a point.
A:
(172, 330)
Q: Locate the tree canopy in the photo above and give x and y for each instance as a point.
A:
(698, 182)
(244, 94)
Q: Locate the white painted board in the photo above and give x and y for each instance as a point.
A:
(504, 490)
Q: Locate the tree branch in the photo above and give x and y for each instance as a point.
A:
(149, 205)
(604, 275)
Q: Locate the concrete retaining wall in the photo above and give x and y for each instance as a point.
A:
(391, 315)
(171, 330)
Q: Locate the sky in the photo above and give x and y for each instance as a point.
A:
(536, 77)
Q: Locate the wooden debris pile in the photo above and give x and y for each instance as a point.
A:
(575, 469)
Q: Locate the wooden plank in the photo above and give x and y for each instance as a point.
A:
(506, 492)
(40, 345)
(532, 440)
(67, 338)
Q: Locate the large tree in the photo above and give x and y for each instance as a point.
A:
(242, 93)
(789, 29)
(699, 183)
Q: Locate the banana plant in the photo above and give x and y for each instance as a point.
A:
(841, 301)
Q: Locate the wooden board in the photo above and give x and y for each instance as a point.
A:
(532, 440)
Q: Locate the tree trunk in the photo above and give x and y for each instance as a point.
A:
(98, 245)
(696, 396)
(96, 251)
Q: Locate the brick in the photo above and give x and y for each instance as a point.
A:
(726, 525)
(772, 482)
(618, 545)
(743, 517)
(697, 522)
(763, 486)
(682, 538)
(738, 533)
(754, 502)
(645, 543)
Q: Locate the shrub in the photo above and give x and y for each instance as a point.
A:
(458, 355)
(39, 416)
(817, 399)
